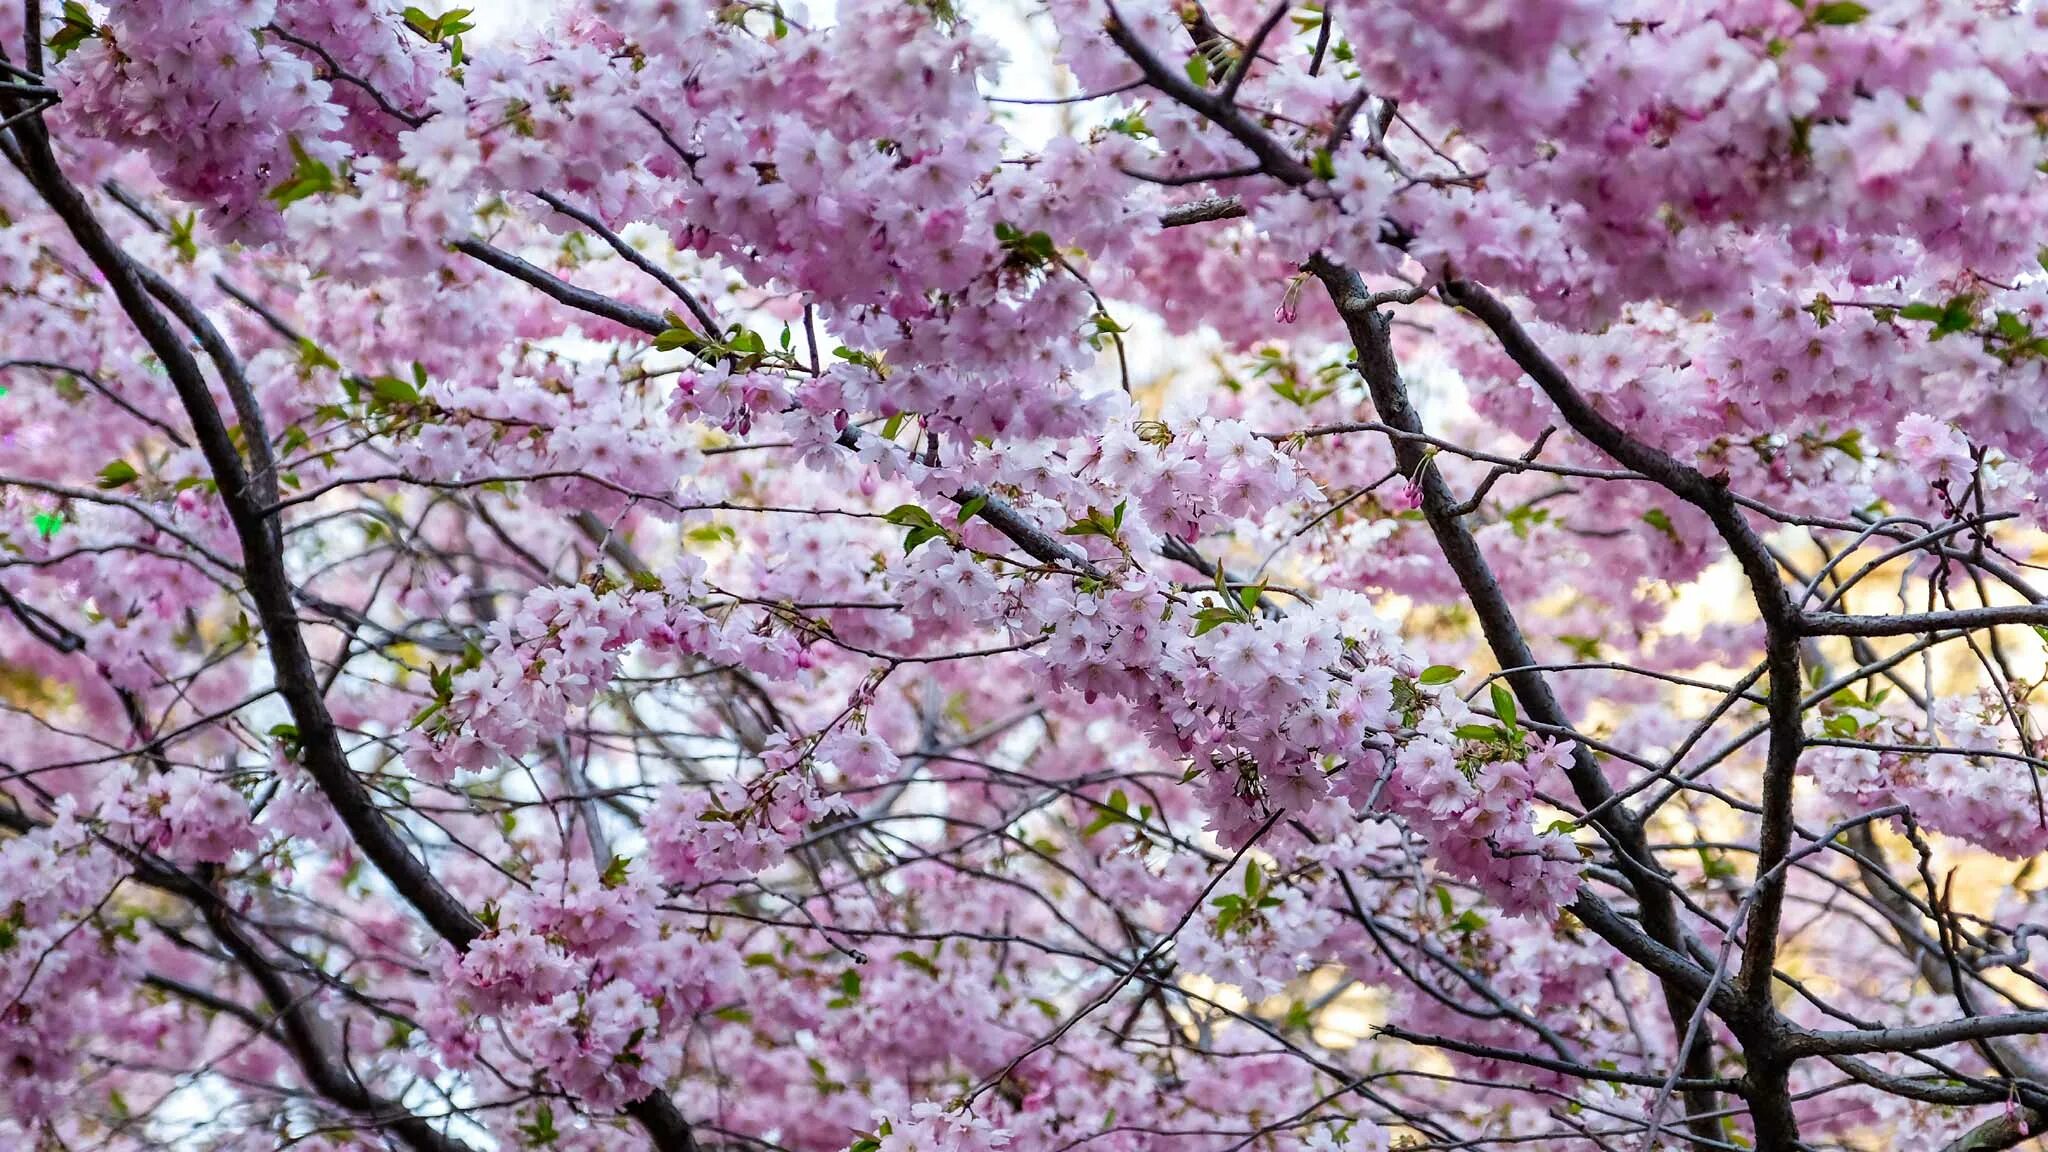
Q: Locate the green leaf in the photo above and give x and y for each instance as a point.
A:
(1660, 520)
(968, 508)
(1840, 13)
(908, 516)
(76, 28)
(47, 523)
(922, 528)
(677, 339)
(1097, 523)
(118, 474)
(1030, 249)
(392, 390)
(1479, 733)
(849, 990)
(1248, 597)
(542, 1130)
(615, 872)
(1116, 810)
(309, 177)
(1959, 314)
(1198, 70)
(1437, 674)
(1503, 704)
(311, 355)
(181, 240)
(1584, 647)
(1716, 866)
(436, 29)
(1849, 444)
(712, 533)
(1132, 125)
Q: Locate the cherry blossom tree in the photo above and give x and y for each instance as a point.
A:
(1049, 575)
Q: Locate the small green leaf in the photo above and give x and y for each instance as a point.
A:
(677, 339)
(712, 533)
(542, 1130)
(1198, 70)
(922, 528)
(1503, 704)
(908, 516)
(1840, 13)
(77, 27)
(1959, 314)
(309, 177)
(392, 390)
(1116, 810)
(311, 355)
(1849, 444)
(436, 29)
(1438, 674)
(181, 240)
(118, 474)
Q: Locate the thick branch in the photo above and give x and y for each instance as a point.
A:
(1370, 330)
